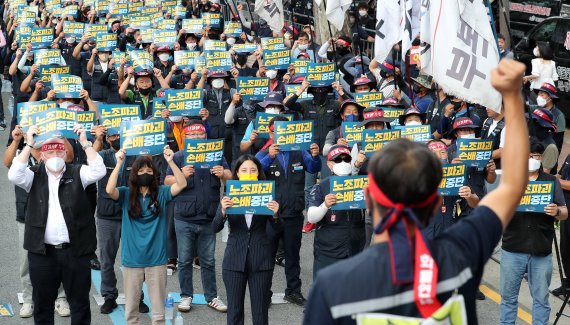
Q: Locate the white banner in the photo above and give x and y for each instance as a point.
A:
(459, 50)
(388, 30)
(336, 10)
(272, 12)
(409, 23)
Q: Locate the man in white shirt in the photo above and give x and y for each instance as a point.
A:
(60, 230)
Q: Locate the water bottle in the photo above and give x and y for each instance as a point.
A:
(179, 320)
(169, 307)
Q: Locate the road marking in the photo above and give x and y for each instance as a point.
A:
(496, 297)
(118, 314)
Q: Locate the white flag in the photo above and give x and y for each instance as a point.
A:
(388, 31)
(459, 50)
(336, 10)
(409, 23)
(272, 12)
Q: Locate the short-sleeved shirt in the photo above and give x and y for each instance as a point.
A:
(363, 283)
(144, 237)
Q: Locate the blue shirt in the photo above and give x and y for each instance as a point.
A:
(144, 238)
(313, 164)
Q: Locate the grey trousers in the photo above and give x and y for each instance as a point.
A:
(109, 237)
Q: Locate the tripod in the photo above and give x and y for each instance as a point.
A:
(562, 278)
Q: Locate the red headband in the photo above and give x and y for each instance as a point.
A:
(373, 114)
(53, 146)
(436, 145)
(388, 65)
(337, 152)
(195, 128)
(343, 42)
(542, 115)
(462, 122)
(550, 87)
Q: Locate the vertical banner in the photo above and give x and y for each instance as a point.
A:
(374, 140)
(369, 99)
(262, 123)
(454, 177)
(293, 136)
(474, 153)
(111, 115)
(203, 153)
(183, 102)
(66, 85)
(146, 137)
(352, 132)
(250, 197)
(321, 74)
(349, 192)
(251, 88)
(536, 197)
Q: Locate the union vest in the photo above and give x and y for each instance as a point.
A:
(495, 136)
(323, 118)
(217, 113)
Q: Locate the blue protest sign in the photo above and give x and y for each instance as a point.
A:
(214, 45)
(419, 133)
(352, 132)
(88, 120)
(369, 99)
(45, 72)
(212, 19)
(272, 43)
(106, 42)
(232, 28)
(250, 196)
(47, 57)
(276, 59)
(218, 60)
(292, 89)
(183, 102)
(453, 179)
(27, 109)
(165, 38)
(349, 192)
(56, 122)
(111, 115)
(301, 66)
(536, 197)
(244, 48)
(41, 37)
(374, 140)
(185, 59)
(66, 85)
(203, 153)
(474, 152)
(192, 26)
(73, 29)
(142, 60)
(321, 74)
(117, 56)
(145, 137)
(251, 88)
(293, 136)
(262, 123)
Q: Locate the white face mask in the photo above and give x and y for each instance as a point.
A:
(70, 40)
(413, 123)
(310, 37)
(65, 104)
(191, 46)
(342, 169)
(231, 41)
(536, 52)
(175, 119)
(132, 82)
(187, 71)
(541, 101)
(163, 57)
(55, 164)
(103, 57)
(271, 74)
(272, 110)
(217, 83)
(533, 164)
(303, 47)
(362, 13)
(287, 35)
(250, 38)
(468, 136)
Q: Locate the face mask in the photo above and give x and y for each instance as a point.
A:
(231, 41)
(145, 91)
(541, 101)
(55, 164)
(342, 169)
(310, 37)
(163, 57)
(456, 105)
(54, 22)
(250, 38)
(362, 13)
(468, 136)
(218, 83)
(272, 110)
(351, 118)
(533, 164)
(540, 132)
(116, 144)
(287, 35)
(247, 177)
(303, 47)
(132, 82)
(103, 57)
(413, 123)
(536, 52)
(320, 98)
(145, 179)
(271, 74)
(241, 60)
(416, 88)
(65, 104)
(191, 46)
(175, 119)
(70, 40)
(130, 38)
(352, 20)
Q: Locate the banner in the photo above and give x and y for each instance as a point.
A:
(41, 37)
(27, 109)
(142, 60)
(183, 102)
(47, 57)
(301, 66)
(536, 197)
(369, 99)
(185, 59)
(87, 119)
(262, 123)
(203, 153)
(93, 29)
(218, 60)
(145, 137)
(232, 28)
(374, 140)
(272, 12)
(352, 132)
(292, 89)
(252, 88)
(56, 122)
(474, 153)
(212, 19)
(272, 43)
(45, 72)
(335, 12)
(465, 47)
(276, 59)
(250, 197)
(213, 45)
(454, 177)
(349, 192)
(293, 136)
(168, 24)
(117, 56)
(321, 74)
(409, 24)
(192, 26)
(393, 112)
(73, 29)
(111, 115)
(106, 42)
(165, 38)
(66, 85)
(419, 133)
(244, 48)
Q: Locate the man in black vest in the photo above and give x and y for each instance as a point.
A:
(493, 130)
(60, 234)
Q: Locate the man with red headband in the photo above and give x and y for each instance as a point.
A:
(403, 273)
(60, 228)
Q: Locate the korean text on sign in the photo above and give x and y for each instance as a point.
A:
(536, 197)
(26, 110)
(203, 153)
(352, 132)
(321, 74)
(453, 179)
(57, 122)
(66, 85)
(184, 102)
(369, 99)
(252, 88)
(113, 114)
(374, 140)
(349, 192)
(420, 133)
(293, 136)
(474, 153)
(250, 196)
(262, 123)
(146, 137)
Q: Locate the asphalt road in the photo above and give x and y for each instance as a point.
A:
(488, 310)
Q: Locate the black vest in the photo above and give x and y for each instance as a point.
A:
(99, 92)
(84, 75)
(77, 212)
(22, 197)
(340, 234)
(323, 119)
(217, 113)
(495, 135)
(67, 54)
(290, 188)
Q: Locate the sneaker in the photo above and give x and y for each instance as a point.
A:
(309, 227)
(196, 263)
(108, 306)
(171, 264)
(185, 304)
(143, 308)
(480, 295)
(95, 264)
(280, 261)
(2, 125)
(295, 298)
(218, 304)
(62, 307)
(27, 310)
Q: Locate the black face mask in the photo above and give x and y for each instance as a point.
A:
(241, 60)
(384, 74)
(130, 38)
(540, 132)
(417, 89)
(456, 105)
(320, 97)
(144, 179)
(116, 144)
(214, 36)
(145, 91)
(342, 51)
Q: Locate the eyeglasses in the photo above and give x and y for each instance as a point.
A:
(346, 159)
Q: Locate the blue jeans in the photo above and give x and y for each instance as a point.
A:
(513, 268)
(203, 238)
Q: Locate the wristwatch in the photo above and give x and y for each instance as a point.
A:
(87, 145)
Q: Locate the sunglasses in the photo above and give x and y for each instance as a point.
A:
(346, 159)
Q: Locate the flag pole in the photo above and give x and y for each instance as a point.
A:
(254, 25)
(493, 27)
(358, 28)
(330, 32)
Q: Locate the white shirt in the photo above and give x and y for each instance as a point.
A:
(546, 72)
(248, 218)
(56, 229)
